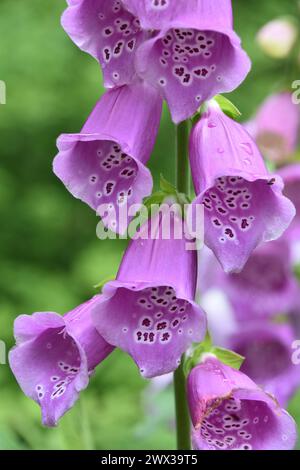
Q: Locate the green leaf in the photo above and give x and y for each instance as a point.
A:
(228, 357)
(228, 107)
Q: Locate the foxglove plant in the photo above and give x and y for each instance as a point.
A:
(104, 165)
(183, 51)
(231, 181)
(149, 310)
(230, 412)
(55, 356)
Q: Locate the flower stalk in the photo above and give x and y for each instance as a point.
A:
(183, 183)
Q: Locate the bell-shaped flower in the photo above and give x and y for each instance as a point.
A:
(230, 412)
(107, 31)
(276, 126)
(291, 178)
(104, 165)
(149, 310)
(266, 286)
(54, 357)
(243, 202)
(195, 54)
(267, 351)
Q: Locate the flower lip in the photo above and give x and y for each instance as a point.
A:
(155, 327)
(140, 184)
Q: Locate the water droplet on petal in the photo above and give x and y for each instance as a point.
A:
(247, 147)
(212, 124)
(220, 150)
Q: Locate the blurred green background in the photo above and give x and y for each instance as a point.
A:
(50, 256)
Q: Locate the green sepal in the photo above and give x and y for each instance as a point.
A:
(197, 351)
(228, 107)
(230, 358)
(200, 350)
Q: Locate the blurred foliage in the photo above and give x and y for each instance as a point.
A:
(50, 256)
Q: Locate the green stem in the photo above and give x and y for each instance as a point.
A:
(182, 182)
(182, 159)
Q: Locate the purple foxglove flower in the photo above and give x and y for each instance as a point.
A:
(268, 350)
(264, 288)
(291, 177)
(55, 356)
(195, 55)
(243, 203)
(149, 310)
(276, 127)
(105, 163)
(294, 317)
(230, 412)
(104, 29)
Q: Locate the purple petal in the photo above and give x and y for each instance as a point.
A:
(266, 286)
(291, 178)
(231, 413)
(55, 356)
(108, 32)
(151, 323)
(104, 165)
(231, 181)
(267, 349)
(149, 310)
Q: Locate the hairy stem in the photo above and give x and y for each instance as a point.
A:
(182, 182)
